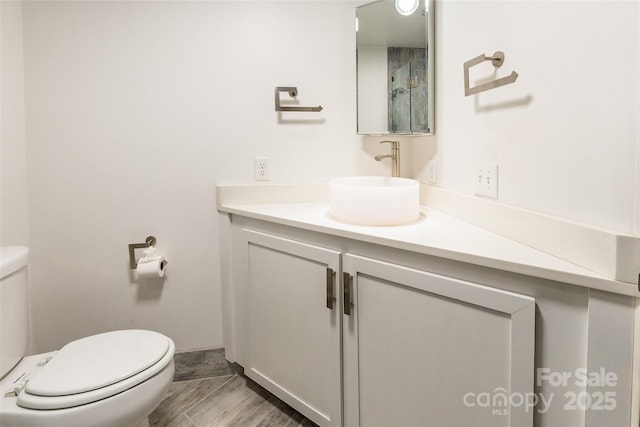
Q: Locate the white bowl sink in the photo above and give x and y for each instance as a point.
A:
(374, 200)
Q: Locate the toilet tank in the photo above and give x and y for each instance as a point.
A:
(14, 308)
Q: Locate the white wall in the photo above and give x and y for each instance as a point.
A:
(564, 134)
(134, 111)
(637, 196)
(13, 179)
(373, 111)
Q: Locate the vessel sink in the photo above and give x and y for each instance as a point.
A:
(374, 200)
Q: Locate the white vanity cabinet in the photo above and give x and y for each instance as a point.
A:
(289, 315)
(425, 340)
(420, 348)
(394, 345)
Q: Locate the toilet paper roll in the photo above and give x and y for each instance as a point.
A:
(150, 267)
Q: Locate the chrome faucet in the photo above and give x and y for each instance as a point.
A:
(394, 156)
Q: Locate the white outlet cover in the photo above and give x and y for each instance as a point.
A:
(261, 168)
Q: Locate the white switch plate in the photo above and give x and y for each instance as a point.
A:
(432, 171)
(261, 168)
(486, 179)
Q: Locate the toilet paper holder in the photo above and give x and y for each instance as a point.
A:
(149, 242)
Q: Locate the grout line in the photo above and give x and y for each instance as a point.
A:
(190, 420)
(232, 376)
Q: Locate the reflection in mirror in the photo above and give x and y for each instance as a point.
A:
(395, 69)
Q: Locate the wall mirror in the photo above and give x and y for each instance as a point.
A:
(395, 68)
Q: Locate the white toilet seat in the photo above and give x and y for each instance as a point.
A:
(97, 367)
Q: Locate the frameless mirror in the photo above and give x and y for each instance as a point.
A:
(395, 53)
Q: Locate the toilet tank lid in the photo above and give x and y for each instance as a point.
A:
(12, 259)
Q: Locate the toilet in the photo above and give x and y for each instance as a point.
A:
(113, 379)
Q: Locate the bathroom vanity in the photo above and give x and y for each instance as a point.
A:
(437, 322)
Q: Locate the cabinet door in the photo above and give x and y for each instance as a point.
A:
(426, 350)
(294, 324)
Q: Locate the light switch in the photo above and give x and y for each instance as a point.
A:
(486, 179)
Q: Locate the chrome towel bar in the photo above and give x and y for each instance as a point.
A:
(497, 59)
(293, 92)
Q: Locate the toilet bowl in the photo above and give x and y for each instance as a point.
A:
(113, 379)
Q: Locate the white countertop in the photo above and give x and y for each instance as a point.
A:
(435, 234)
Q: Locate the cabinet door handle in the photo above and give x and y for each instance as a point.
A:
(347, 282)
(331, 279)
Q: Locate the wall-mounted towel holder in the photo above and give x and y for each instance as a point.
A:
(293, 92)
(497, 59)
(150, 241)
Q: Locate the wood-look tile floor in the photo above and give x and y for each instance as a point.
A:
(208, 391)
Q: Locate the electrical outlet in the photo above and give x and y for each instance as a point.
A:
(486, 180)
(261, 168)
(432, 171)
